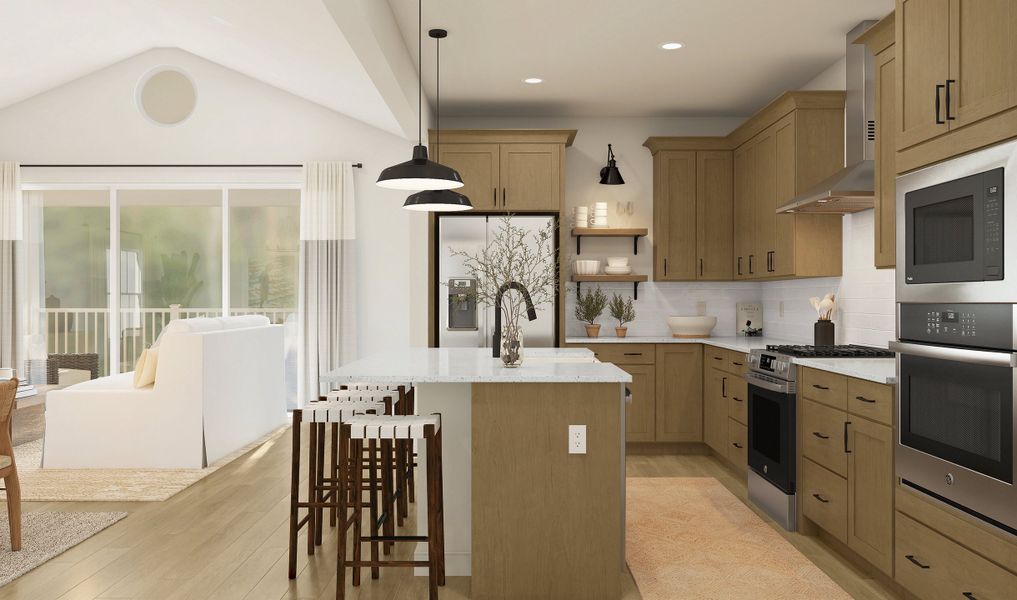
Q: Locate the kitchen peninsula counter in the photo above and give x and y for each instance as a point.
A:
(523, 517)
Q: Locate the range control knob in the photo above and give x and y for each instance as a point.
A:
(949, 479)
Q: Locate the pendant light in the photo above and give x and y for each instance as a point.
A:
(610, 175)
(419, 173)
(437, 200)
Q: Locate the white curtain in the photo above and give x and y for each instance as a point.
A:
(327, 274)
(11, 236)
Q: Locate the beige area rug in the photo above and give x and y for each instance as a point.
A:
(45, 535)
(689, 537)
(112, 485)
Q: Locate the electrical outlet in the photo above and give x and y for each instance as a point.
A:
(577, 439)
(781, 309)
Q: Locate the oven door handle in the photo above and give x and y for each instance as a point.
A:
(965, 355)
(781, 388)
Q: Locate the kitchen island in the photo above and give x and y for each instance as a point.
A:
(523, 517)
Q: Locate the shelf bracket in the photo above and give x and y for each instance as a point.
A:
(579, 245)
(635, 290)
(635, 244)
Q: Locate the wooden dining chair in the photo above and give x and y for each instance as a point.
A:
(9, 470)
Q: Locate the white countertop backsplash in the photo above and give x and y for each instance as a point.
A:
(879, 370)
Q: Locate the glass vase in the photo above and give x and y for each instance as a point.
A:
(512, 346)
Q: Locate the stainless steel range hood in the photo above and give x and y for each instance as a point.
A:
(852, 188)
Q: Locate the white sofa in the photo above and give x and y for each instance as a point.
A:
(219, 386)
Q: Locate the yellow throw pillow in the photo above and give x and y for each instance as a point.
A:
(139, 368)
(148, 373)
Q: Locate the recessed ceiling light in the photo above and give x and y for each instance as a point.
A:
(533, 80)
(672, 45)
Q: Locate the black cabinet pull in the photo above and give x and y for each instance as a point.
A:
(846, 423)
(739, 265)
(700, 267)
(633, 354)
(820, 435)
(939, 121)
(912, 558)
(949, 117)
(717, 358)
(494, 194)
(503, 194)
(864, 399)
(723, 387)
(819, 387)
(969, 595)
(737, 399)
(737, 445)
(665, 267)
(751, 271)
(737, 364)
(820, 498)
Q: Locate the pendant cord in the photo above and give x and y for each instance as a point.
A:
(437, 95)
(420, 73)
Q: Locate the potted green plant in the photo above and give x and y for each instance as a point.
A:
(589, 308)
(622, 311)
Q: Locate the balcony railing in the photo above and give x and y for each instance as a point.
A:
(86, 330)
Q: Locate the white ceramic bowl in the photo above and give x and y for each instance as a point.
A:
(617, 261)
(691, 327)
(586, 267)
(617, 270)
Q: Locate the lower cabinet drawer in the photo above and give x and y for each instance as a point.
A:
(932, 566)
(738, 399)
(737, 362)
(825, 499)
(823, 436)
(738, 444)
(625, 354)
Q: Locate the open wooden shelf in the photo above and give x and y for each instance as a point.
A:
(634, 233)
(634, 279)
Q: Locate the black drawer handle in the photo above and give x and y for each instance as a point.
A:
(717, 358)
(633, 354)
(737, 364)
(737, 445)
(737, 399)
(820, 498)
(912, 558)
(864, 399)
(820, 435)
(819, 387)
(846, 423)
(969, 595)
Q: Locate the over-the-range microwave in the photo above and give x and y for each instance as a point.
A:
(952, 229)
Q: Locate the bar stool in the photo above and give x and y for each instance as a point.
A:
(323, 492)
(388, 429)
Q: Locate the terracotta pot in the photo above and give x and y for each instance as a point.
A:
(593, 330)
(621, 331)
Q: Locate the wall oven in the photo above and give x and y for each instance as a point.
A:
(957, 377)
(952, 229)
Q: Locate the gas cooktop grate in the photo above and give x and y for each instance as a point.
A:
(843, 351)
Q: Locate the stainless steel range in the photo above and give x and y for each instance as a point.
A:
(772, 379)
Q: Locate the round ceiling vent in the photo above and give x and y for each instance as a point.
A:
(167, 96)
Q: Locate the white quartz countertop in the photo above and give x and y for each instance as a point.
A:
(476, 365)
(879, 370)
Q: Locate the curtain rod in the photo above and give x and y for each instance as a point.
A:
(355, 166)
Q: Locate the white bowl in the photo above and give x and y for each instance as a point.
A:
(617, 261)
(617, 270)
(586, 267)
(691, 327)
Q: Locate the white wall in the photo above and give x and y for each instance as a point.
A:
(239, 120)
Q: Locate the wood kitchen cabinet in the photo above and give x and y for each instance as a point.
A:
(516, 170)
(847, 480)
(957, 88)
(692, 206)
(880, 40)
(640, 415)
(725, 405)
(679, 370)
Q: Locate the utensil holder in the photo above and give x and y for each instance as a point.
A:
(824, 333)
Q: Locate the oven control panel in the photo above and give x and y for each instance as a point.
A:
(981, 325)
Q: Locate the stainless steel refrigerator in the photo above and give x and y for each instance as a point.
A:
(459, 321)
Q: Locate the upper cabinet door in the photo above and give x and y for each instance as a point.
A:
(885, 214)
(714, 211)
(675, 223)
(478, 166)
(765, 202)
(743, 210)
(923, 63)
(983, 55)
(531, 177)
(781, 259)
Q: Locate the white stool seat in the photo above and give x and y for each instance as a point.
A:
(381, 387)
(366, 395)
(339, 410)
(397, 427)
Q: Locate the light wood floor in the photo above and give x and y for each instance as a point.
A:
(225, 537)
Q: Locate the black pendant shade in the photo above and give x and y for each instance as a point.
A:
(610, 175)
(438, 201)
(419, 173)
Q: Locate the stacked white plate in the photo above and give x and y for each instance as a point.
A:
(617, 270)
(617, 265)
(599, 215)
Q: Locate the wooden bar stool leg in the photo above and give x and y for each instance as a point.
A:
(342, 498)
(440, 526)
(294, 493)
(312, 470)
(357, 449)
(401, 510)
(432, 516)
(372, 482)
(319, 495)
(387, 495)
(333, 471)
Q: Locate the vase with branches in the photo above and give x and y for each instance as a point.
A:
(622, 311)
(519, 256)
(589, 307)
